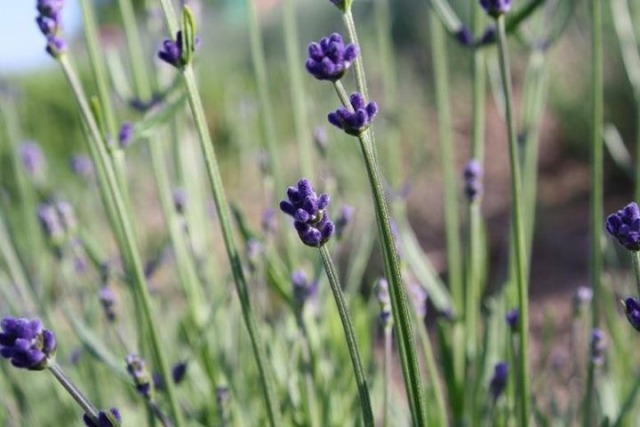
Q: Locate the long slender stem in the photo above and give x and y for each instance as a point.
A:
(215, 180)
(596, 174)
(387, 375)
(397, 291)
(347, 325)
(84, 403)
(434, 375)
(518, 229)
(128, 245)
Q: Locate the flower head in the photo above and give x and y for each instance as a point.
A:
(598, 346)
(418, 296)
(624, 225)
(111, 418)
(138, 371)
(346, 214)
(49, 22)
(343, 5)
(125, 135)
(26, 343)
(108, 301)
(82, 166)
(32, 158)
(382, 295)
(303, 288)
(464, 36)
(472, 179)
(496, 8)
(356, 120)
(173, 52)
(329, 59)
(632, 310)
(499, 379)
(582, 298)
(309, 213)
(512, 317)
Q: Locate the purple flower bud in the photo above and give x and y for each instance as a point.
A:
(32, 158)
(172, 53)
(355, 121)
(50, 223)
(108, 301)
(598, 346)
(49, 7)
(137, 369)
(624, 225)
(632, 310)
(329, 59)
(382, 295)
(125, 135)
(496, 8)
(111, 418)
(472, 180)
(179, 199)
(303, 289)
(346, 214)
(55, 46)
(512, 318)
(499, 379)
(488, 37)
(269, 221)
(26, 343)
(418, 296)
(82, 166)
(464, 36)
(311, 220)
(582, 298)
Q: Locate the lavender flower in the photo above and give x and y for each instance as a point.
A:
(26, 343)
(111, 418)
(472, 179)
(624, 225)
(82, 166)
(343, 5)
(269, 221)
(303, 289)
(464, 36)
(108, 301)
(346, 214)
(418, 296)
(357, 120)
(309, 213)
(49, 22)
(488, 37)
(32, 158)
(178, 372)
(499, 380)
(50, 223)
(496, 8)
(125, 135)
(582, 298)
(137, 369)
(598, 346)
(329, 59)
(632, 310)
(173, 52)
(382, 295)
(512, 318)
(179, 199)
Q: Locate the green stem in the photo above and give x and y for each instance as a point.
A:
(452, 232)
(361, 81)
(299, 112)
(215, 180)
(387, 375)
(434, 374)
(596, 176)
(128, 245)
(361, 381)
(397, 291)
(77, 395)
(636, 269)
(518, 229)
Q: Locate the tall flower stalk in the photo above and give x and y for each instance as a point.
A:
(497, 9)
(222, 206)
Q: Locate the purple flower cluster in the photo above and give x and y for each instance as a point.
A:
(598, 346)
(499, 379)
(512, 318)
(173, 53)
(345, 217)
(32, 158)
(108, 301)
(178, 373)
(82, 166)
(382, 295)
(303, 288)
(624, 225)
(472, 180)
(49, 21)
(356, 120)
(496, 8)
(418, 297)
(105, 419)
(137, 369)
(26, 343)
(58, 221)
(329, 59)
(309, 213)
(632, 310)
(125, 135)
